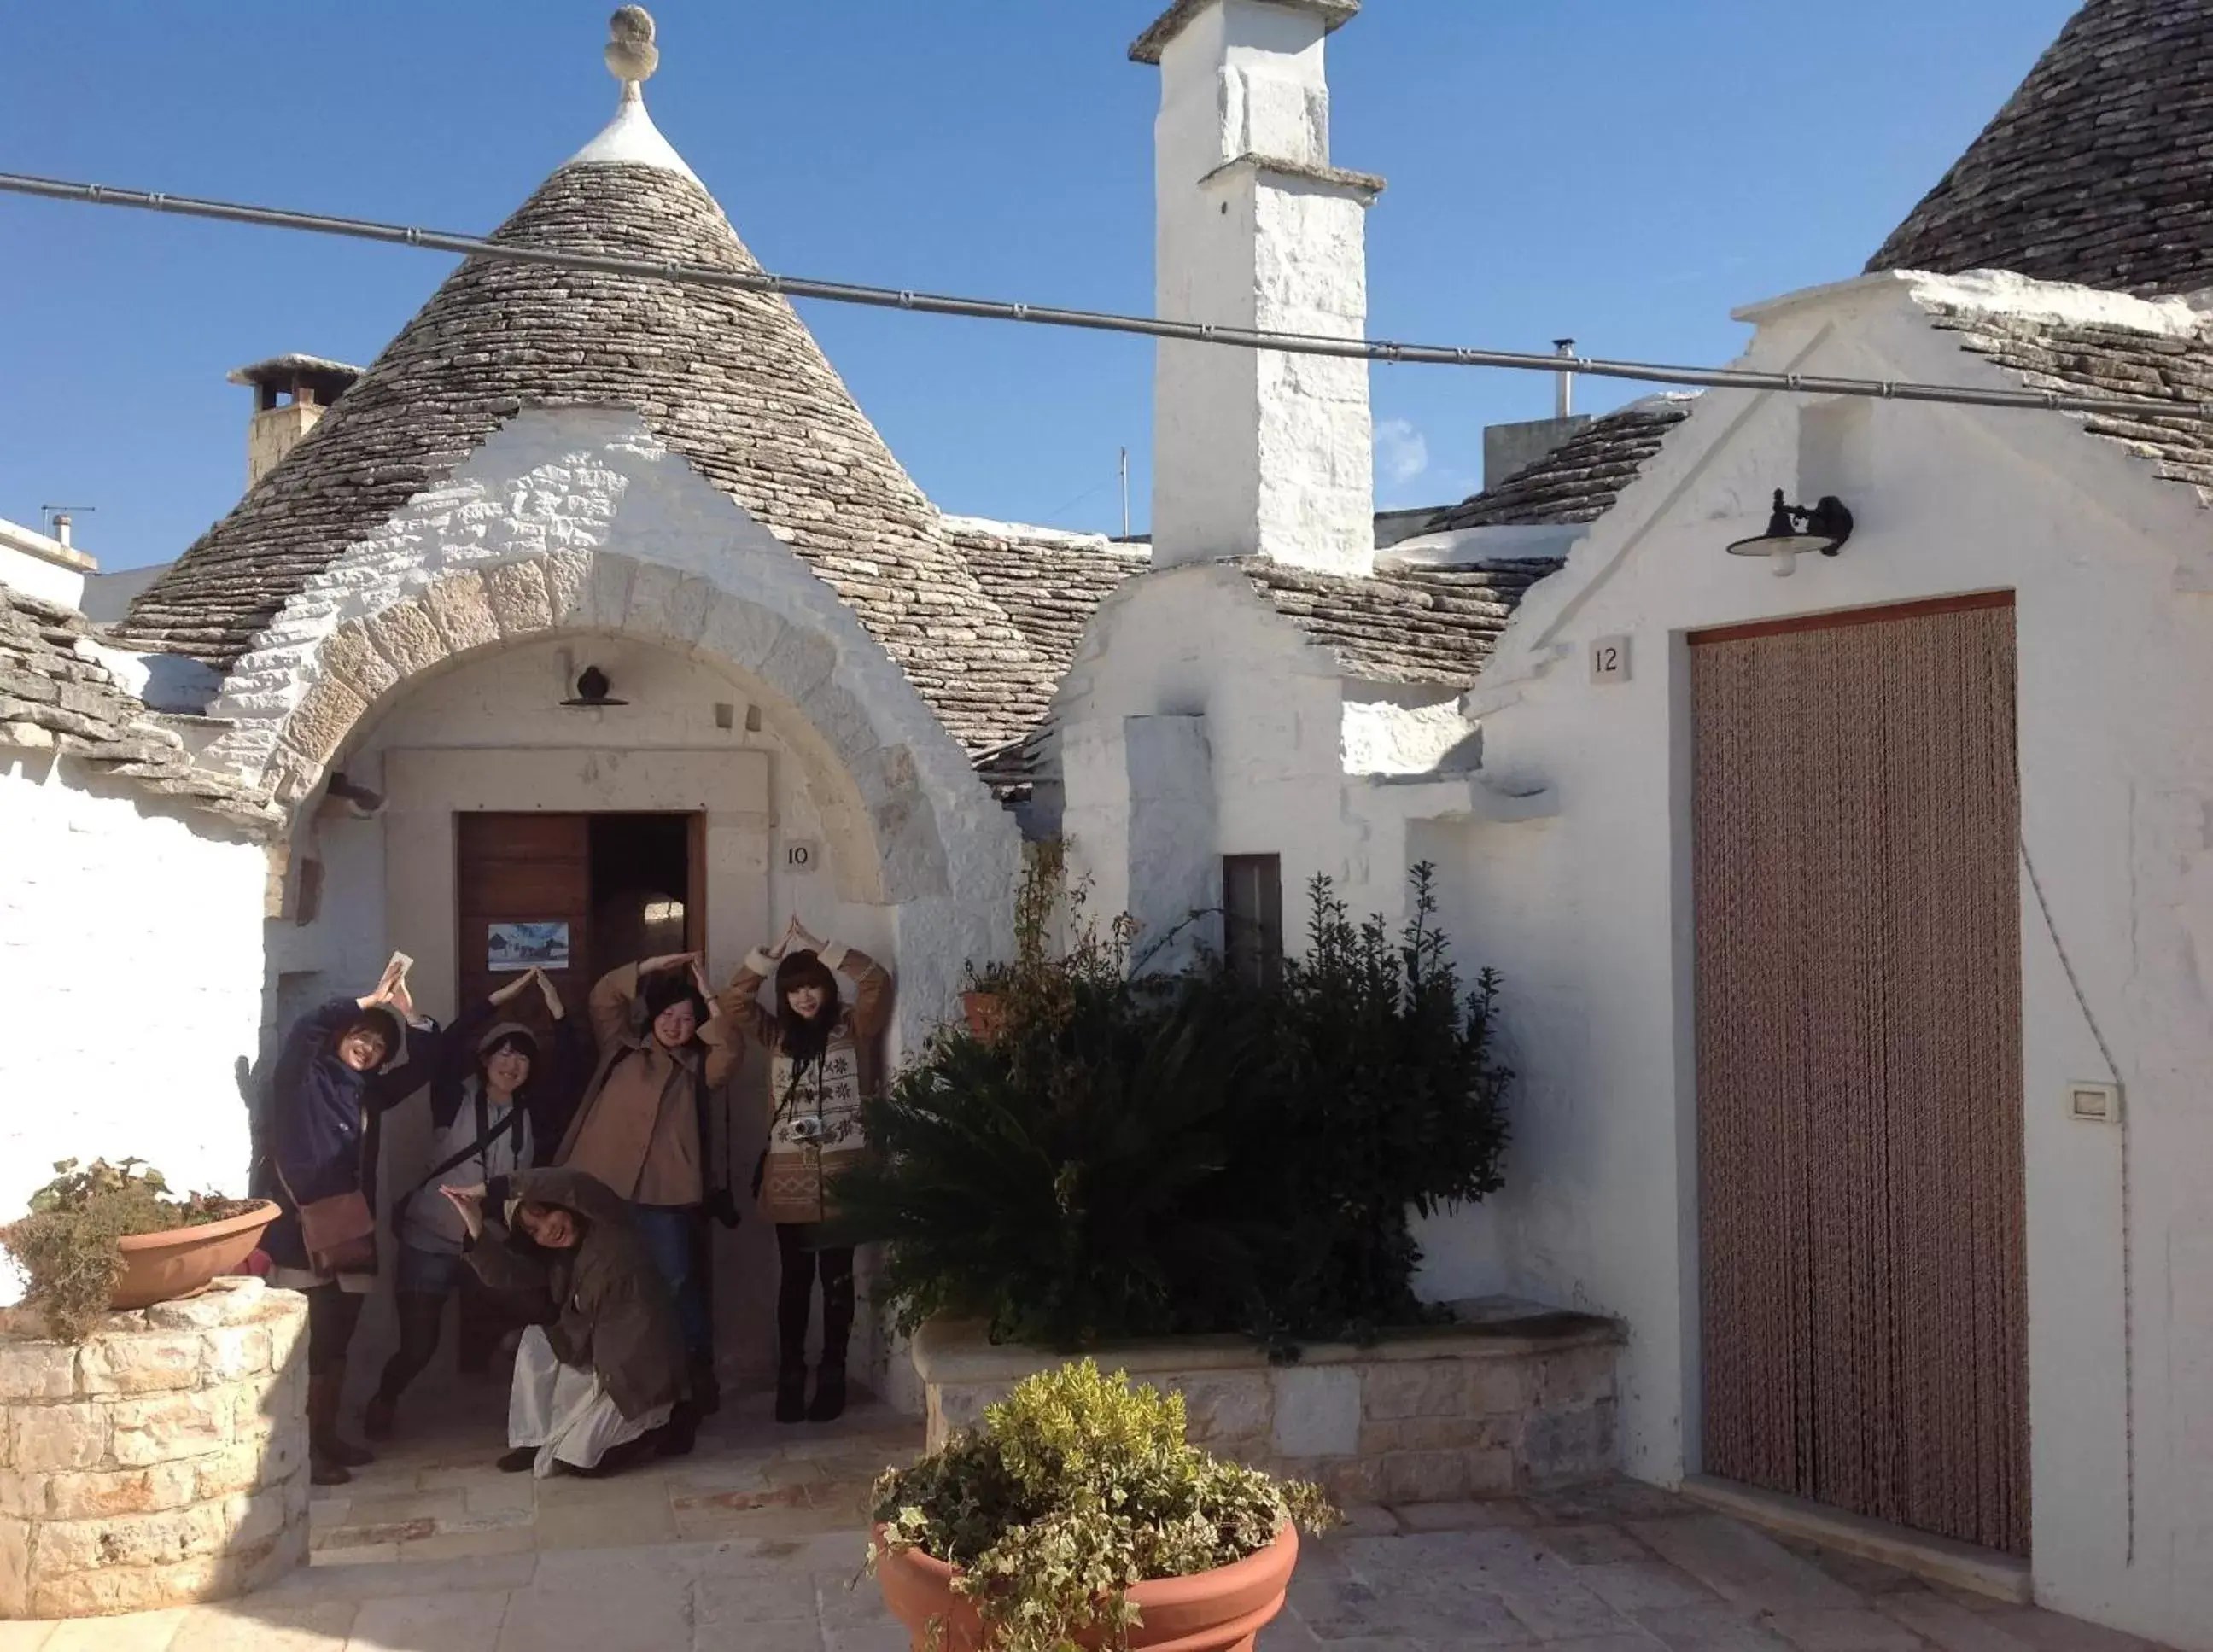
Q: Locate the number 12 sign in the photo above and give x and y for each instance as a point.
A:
(1609, 660)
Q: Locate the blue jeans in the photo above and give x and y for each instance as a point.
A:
(667, 1231)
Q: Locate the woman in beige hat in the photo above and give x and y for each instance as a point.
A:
(494, 1083)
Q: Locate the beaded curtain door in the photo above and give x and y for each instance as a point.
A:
(1860, 1156)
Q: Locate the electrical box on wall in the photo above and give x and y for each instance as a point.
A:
(1609, 660)
(2094, 1104)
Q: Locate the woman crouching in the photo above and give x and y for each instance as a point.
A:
(594, 1384)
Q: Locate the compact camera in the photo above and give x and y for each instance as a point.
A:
(805, 1129)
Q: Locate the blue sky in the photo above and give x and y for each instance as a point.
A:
(1623, 171)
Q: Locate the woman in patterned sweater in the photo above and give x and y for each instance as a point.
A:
(822, 1060)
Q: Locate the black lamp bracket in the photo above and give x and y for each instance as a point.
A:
(1825, 518)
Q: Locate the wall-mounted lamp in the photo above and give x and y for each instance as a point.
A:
(592, 686)
(364, 800)
(1824, 526)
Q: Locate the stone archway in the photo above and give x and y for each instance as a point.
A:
(911, 826)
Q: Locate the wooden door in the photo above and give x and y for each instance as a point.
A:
(1862, 1209)
(522, 869)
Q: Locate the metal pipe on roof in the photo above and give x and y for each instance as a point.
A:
(1198, 333)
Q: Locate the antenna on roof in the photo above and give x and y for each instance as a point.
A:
(58, 518)
(1125, 493)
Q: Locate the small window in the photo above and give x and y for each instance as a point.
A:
(1252, 917)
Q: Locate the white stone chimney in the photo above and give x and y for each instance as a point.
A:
(1258, 452)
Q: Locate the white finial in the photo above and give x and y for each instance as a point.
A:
(631, 54)
(631, 138)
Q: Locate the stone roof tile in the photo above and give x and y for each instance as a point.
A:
(2101, 359)
(1408, 624)
(2099, 170)
(1579, 480)
(1049, 583)
(730, 379)
(56, 695)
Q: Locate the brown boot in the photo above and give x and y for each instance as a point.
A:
(328, 1456)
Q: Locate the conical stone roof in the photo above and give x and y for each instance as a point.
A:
(732, 381)
(2098, 171)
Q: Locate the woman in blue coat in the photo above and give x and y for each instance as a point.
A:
(342, 1065)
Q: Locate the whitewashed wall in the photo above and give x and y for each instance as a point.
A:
(40, 567)
(130, 980)
(1278, 721)
(1588, 913)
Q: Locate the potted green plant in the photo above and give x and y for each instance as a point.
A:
(111, 1236)
(1079, 1516)
(984, 1000)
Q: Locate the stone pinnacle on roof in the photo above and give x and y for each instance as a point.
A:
(2099, 170)
(631, 53)
(631, 138)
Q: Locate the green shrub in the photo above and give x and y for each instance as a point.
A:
(1133, 1157)
(1078, 1487)
(1382, 1097)
(1052, 1182)
(66, 1246)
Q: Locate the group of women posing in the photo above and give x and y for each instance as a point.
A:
(591, 1156)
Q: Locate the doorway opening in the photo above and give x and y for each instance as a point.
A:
(1862, 1196)
(576, 895)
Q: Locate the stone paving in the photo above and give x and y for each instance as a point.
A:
(754, 1543)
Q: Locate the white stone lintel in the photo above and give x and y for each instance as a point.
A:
(1361, 187)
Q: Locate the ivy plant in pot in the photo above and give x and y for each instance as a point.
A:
(111, 1236)
(1079, 1518)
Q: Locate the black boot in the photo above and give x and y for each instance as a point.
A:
(829, 1393)
(706, 1388)
(792, 1392)
(837, 1332)
(674, 1437)
(329, 1457)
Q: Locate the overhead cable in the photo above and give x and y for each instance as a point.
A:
(1197, 332)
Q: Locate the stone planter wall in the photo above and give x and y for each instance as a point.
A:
(1512, 1398)
(162, 1460)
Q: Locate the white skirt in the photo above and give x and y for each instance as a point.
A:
(566, 1412)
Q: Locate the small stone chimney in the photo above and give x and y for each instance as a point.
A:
(1258, 452)
(291, 394)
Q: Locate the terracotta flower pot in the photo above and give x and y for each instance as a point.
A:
(1219, 1611)
(177, 1261)
(986, 1013)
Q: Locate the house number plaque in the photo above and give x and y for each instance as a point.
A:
(1609, 660)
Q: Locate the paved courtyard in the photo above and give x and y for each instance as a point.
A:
(754, 1544)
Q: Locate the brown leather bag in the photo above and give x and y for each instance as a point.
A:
(339, 1234)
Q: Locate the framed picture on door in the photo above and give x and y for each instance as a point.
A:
(511, 947)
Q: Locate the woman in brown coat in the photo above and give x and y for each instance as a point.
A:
(594, 1384)
(822, 1063)
(647, 1128)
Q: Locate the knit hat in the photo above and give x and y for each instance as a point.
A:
(509, 1031)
